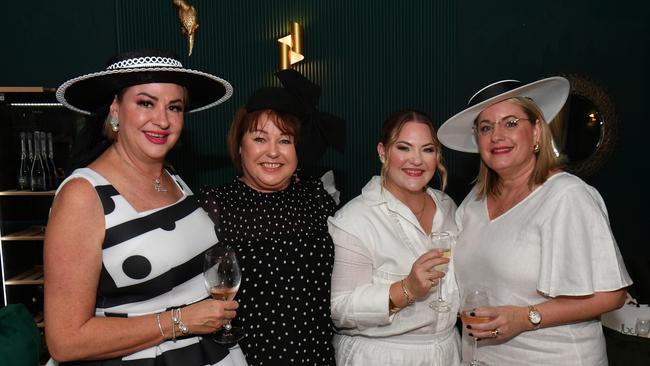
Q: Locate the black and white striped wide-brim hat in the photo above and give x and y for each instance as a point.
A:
(87, 93)
(549, 94)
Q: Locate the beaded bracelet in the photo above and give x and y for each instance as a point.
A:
(409, 299)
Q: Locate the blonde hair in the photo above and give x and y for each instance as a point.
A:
(393, 126)
(546, 160)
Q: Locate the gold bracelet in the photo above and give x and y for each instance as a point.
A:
(160, 325)
(409, 299)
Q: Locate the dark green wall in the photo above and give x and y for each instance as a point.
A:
(608, 41)
(365, 59)
(370, 58)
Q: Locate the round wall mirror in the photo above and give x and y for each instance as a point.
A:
(584, 132)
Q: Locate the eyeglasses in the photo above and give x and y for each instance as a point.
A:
(485, 128)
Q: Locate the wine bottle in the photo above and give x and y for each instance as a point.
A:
(37, 174)
(30, 149)
(58, 177)
(22, 179)
(49, 182)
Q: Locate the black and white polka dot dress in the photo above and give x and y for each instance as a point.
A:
(286, 256)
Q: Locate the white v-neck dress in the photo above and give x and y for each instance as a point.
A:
(556, 241)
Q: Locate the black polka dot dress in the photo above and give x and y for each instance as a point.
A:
(286, 256)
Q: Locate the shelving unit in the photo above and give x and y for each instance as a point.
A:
(24, 214)
(32, 276)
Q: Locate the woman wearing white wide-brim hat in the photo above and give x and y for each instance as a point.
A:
(536, 237)
(125, 238)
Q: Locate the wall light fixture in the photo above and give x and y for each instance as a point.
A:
(291, 47)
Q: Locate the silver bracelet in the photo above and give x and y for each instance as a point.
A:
(160, 325)
(175, 321)
(183, 328)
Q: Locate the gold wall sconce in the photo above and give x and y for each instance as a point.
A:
(189, 22)
(291, 47)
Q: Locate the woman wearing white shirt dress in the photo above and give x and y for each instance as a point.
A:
(383, 278)
(536, 237)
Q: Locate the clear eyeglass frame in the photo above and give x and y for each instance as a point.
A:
(485, 128)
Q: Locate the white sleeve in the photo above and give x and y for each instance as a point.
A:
(356, 302)
(330, 186)
(579, 255)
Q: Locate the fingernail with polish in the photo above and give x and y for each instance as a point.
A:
(469, 326)
(472, 314)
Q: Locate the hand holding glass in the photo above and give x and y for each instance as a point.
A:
(473, 298)
(441, 241)
(222, 277)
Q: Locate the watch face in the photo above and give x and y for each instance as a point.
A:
(534, 317)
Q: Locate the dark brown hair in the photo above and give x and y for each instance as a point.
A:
(107, 129)
(244, 122)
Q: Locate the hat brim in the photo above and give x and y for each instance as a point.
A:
(85, 94)
(549, 94)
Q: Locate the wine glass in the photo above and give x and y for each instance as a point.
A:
(473, 298)
(642, 327)
(441, 241)
(222, 277)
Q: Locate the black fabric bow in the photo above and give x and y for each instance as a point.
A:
(319, 130)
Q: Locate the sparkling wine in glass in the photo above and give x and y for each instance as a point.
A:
(441, 241)
(222, 276)
(473, 298)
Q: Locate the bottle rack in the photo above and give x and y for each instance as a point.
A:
(24, 213)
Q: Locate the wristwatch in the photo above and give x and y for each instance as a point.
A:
(534, 317)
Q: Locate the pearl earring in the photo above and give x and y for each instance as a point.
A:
(115, 124)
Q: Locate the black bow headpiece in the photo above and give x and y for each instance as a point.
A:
(300, 97)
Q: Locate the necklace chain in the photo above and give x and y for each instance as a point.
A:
(157, 182)
(420, 212)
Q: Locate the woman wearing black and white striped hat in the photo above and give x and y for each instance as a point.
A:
(125, 240)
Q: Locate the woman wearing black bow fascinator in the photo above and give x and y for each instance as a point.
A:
(277, 221)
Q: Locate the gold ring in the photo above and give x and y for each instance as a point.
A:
(495, 333)
(433, 281)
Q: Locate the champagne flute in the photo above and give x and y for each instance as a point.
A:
(222, 276)
(642, 327)
(474, 297)
(441, 241)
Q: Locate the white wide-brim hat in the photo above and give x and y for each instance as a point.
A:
(549, 94)
(89, 93)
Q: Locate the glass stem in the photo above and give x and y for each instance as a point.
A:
(474, 345)
(440, 290)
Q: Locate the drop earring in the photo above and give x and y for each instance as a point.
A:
(115, 124)
(536, 148)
